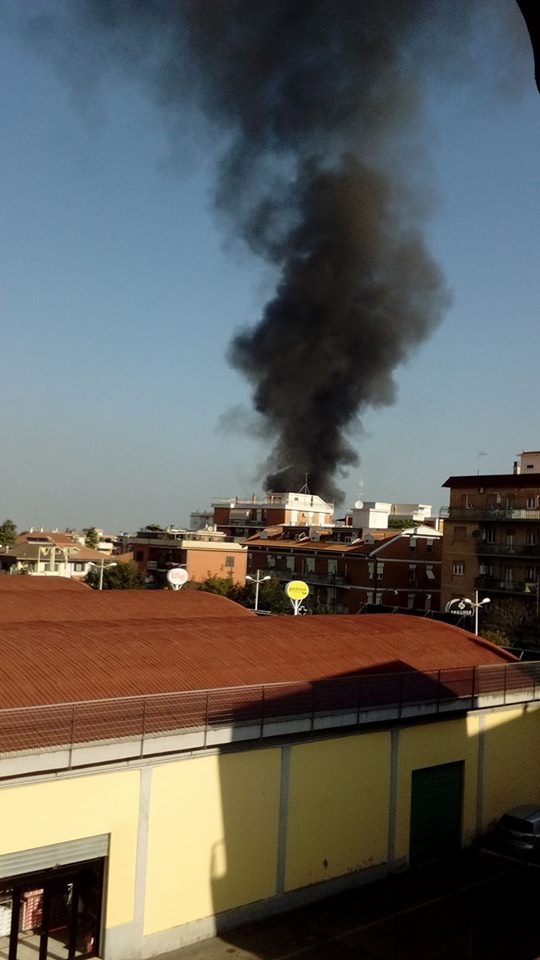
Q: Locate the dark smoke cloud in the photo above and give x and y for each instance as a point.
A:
(319, 105)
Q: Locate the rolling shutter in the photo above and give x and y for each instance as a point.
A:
(55, 855)
(436, 805)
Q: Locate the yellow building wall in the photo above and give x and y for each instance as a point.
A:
(338, 807)
(511, 760)
(428, 745)
(36, 815)
(213, 833)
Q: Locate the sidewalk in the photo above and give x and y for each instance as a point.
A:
(476, 908)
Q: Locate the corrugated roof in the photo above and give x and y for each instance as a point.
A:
(29, 583)
(61, 662)
(115, 605)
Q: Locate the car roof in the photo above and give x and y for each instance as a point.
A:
(526, 811)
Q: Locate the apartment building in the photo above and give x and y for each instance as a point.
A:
(239, 518)
(345, 571)
(204, 553)
(492, 536)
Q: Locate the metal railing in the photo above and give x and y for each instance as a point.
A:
(491, 513)
(509, 550)
(363, 698)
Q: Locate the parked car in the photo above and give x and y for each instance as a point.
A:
(518, 830)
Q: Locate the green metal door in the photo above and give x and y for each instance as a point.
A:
(436, 805)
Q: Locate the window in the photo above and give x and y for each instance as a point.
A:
(530, 574)
(371, 568)
(290, 563)
(310, 564)
(429, 572)
(488, 535)
(509, 538)
(429, 545)
(466, 502)
(380, 571)
(412, 543)
(508, 574)
(332, 566)
(531, 503)
(369, 596)
(229, 561)
(410, 601)
(458, 569)
(79, 567)
(460, 534)
(412, 572)
(531, 538)
(271, 561)
(486, 569)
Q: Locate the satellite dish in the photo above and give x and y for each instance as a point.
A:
(177, 577)
(359, 504)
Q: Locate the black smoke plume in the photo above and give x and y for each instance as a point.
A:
(318, 104)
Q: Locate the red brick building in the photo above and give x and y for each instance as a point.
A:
(399, 569)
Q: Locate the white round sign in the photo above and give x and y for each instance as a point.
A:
(177, 577)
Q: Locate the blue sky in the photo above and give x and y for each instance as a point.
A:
(120, 293)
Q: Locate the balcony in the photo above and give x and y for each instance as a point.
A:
(494, 585)
(531, 550)
(319, 579)
(472, 514)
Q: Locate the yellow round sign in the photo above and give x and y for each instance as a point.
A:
(297, 590)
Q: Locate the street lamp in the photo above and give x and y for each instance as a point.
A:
(257, 581)
(101, 569)
(474, 603)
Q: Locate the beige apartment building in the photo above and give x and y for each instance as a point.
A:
(492, 536)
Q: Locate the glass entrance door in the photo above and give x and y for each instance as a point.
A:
(54, 915)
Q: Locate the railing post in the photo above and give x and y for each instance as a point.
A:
(358, 704)
(504, 668)
(438, 691)
(72, 734)
(400, 695)
(474, 687)
(207, 707)
(263, 701)
(143, 724)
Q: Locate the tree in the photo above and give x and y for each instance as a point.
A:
(272, 595)
(92, 538)
(121, 576)
(153, 527)
(8, 534)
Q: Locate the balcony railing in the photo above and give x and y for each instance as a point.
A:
(509, 550)
(471, 514)
(327, 579)
(506, 586)
(103, 730)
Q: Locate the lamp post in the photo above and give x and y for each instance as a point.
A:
(476, 604)
(257, 581)
(101, 569)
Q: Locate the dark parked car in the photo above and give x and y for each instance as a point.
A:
(518, 830)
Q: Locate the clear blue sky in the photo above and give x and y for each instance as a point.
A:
(119, 296)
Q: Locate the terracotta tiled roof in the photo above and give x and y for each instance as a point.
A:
(53, 536)
(114, 605)
(61, 662)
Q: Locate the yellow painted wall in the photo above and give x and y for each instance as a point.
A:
(213, 832)
(338, 807)
(39, 814)
(511, 760)
(425, 746)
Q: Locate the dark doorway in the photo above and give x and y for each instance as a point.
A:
(436, 806)
(52, 915)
